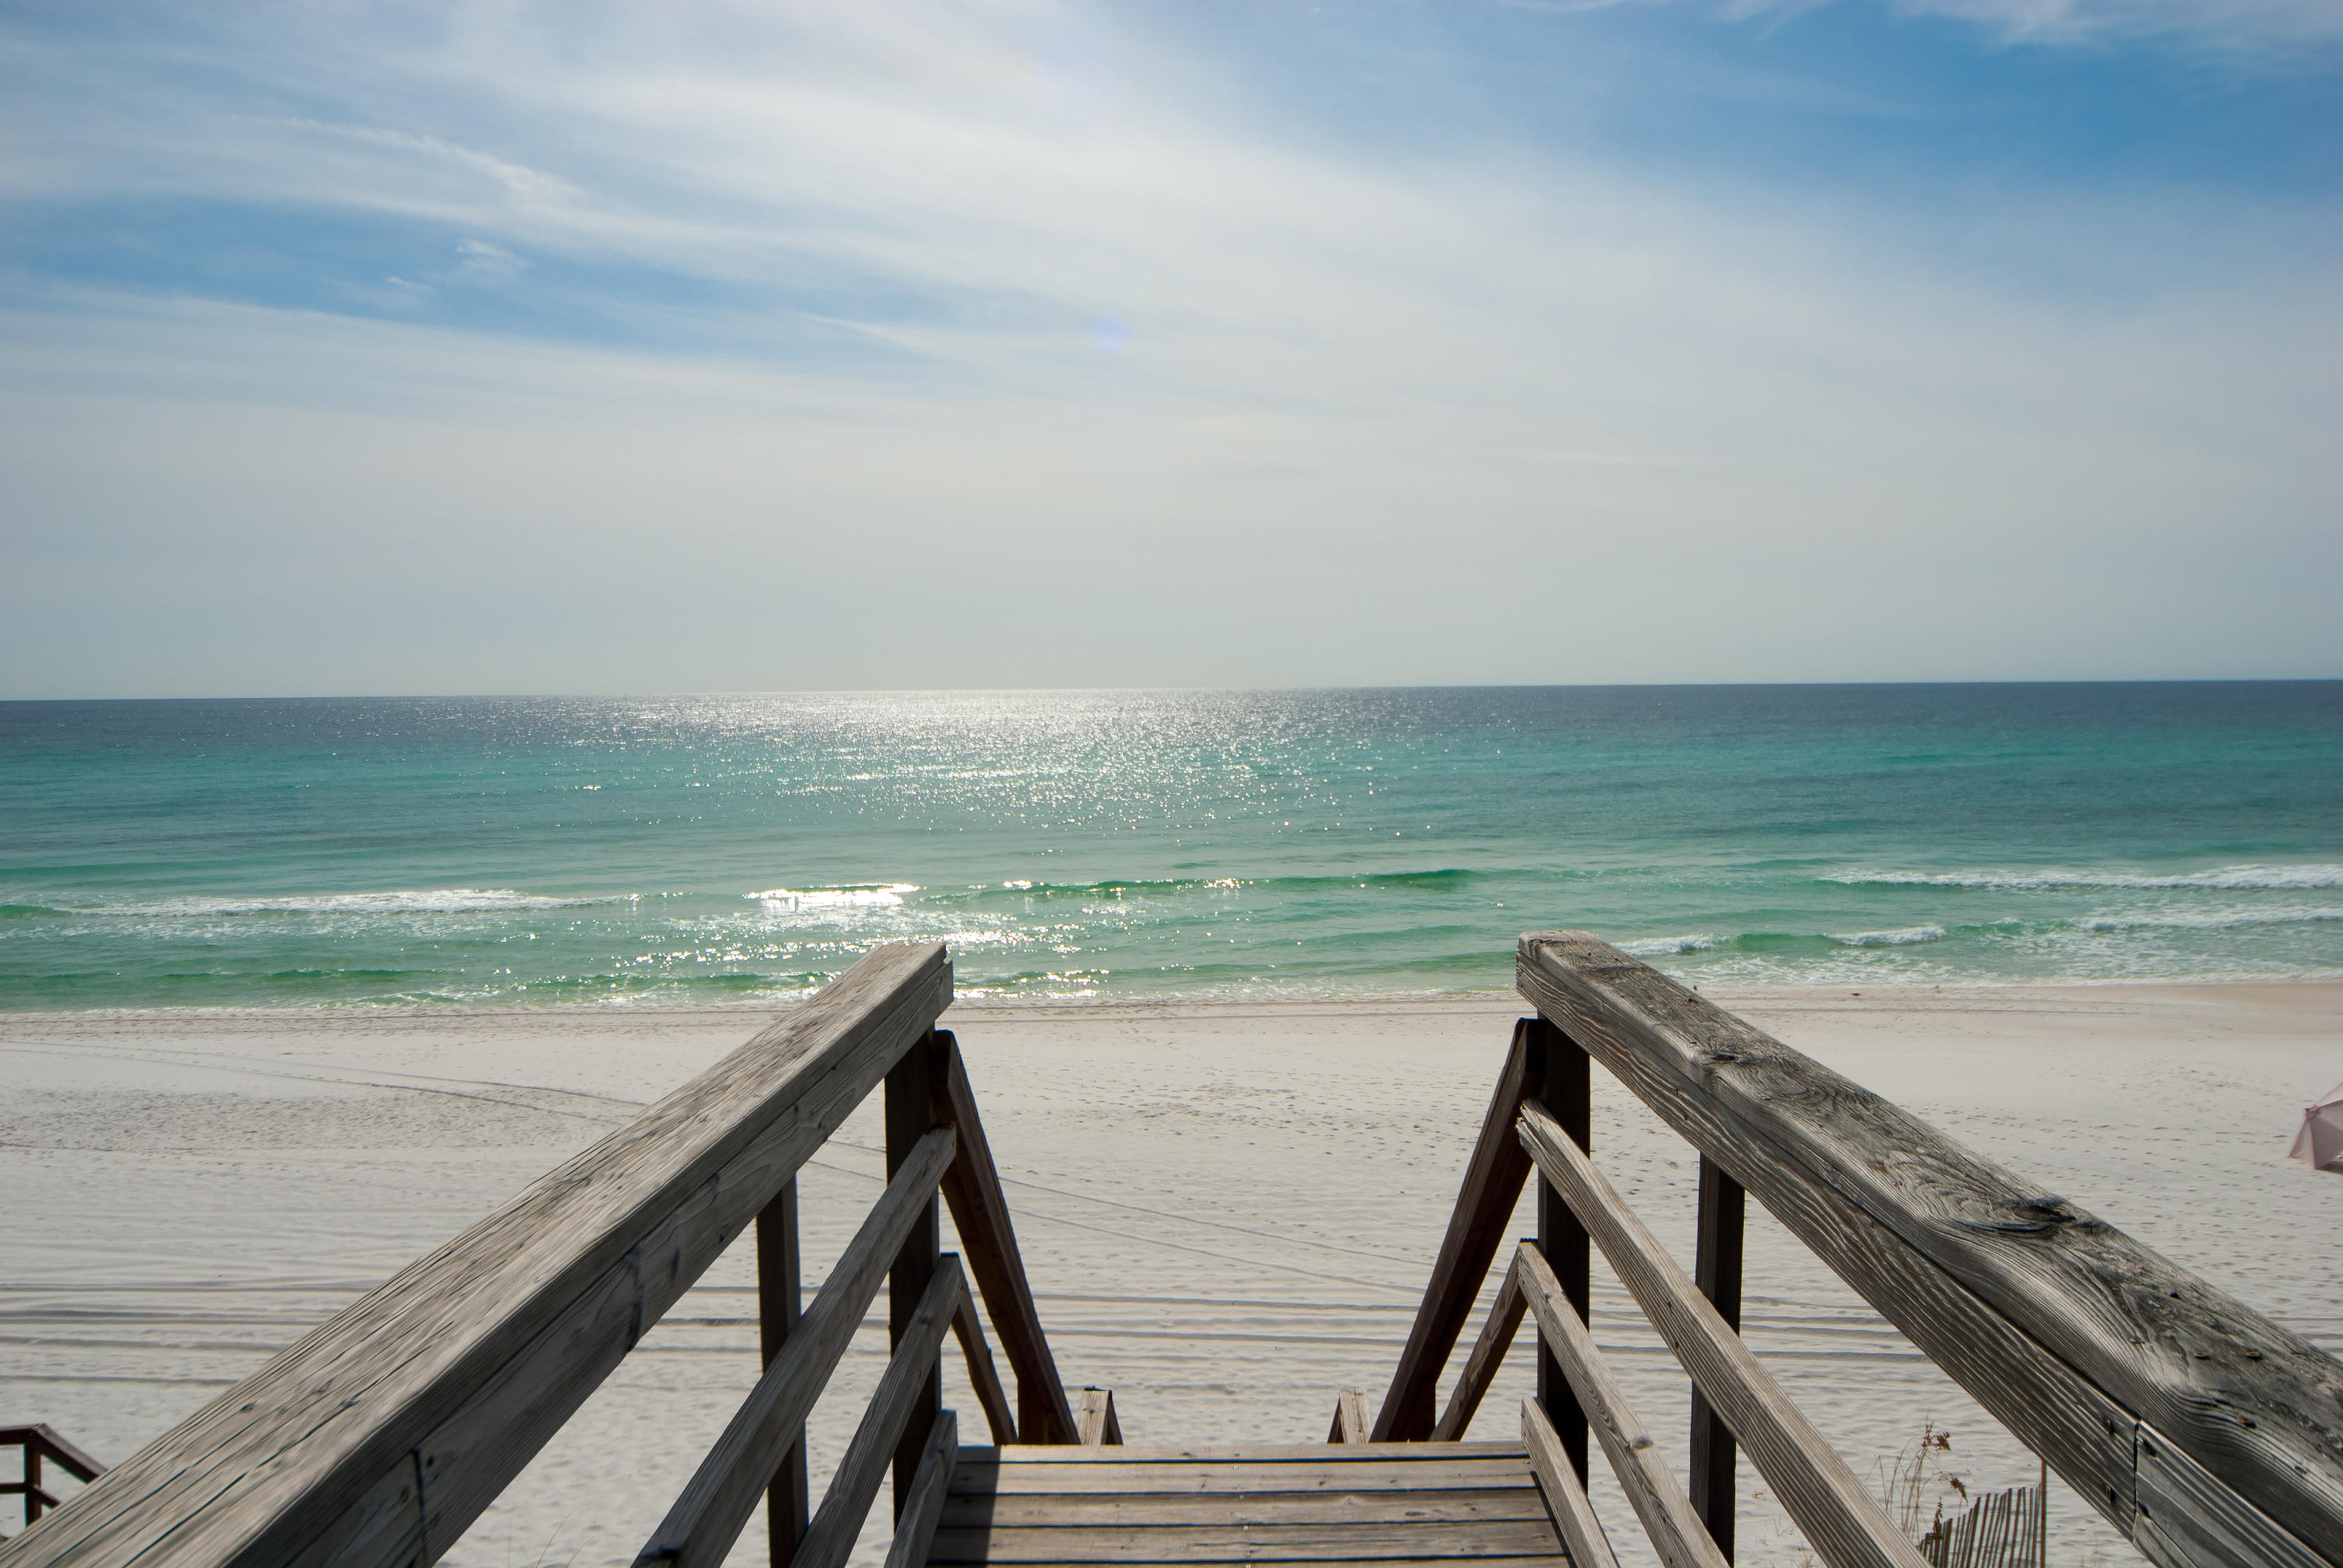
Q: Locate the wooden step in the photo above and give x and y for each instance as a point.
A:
(1353, 1503)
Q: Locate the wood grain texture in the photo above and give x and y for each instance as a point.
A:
(1356, 1504)
(1566, 1092)
(1171, 1545)
(1241, 1543)
(1675, 1532)
(383, 1526)
(2187, 1517)
(1717, 1237)
(1244, 1453)
(1350, 1424)
(779, 1305)
(982, 1375)
(1515, 1502)
(504, 1329)
(914, 1089)
(980, 1212)
(878, 1437)
(1484, 1206)
(1557, 1480)
(1842, 1520)
(915, 1531)
(974, 1475)
(1096, 1425)
(1496, 1337)
(2084, 1434)
(723, 1491)
(2068, 1330)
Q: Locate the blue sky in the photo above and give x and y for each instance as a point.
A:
(361, 350)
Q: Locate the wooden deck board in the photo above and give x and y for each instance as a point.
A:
(1356, 1504)
(1014, 1510)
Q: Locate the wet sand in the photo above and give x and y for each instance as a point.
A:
(1227, 1211)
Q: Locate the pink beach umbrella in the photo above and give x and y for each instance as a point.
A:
(2319, 1144)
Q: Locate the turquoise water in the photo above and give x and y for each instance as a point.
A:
(1153, 845)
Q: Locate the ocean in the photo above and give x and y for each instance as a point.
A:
(1143, 846)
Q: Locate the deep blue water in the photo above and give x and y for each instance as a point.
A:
(1149, 844)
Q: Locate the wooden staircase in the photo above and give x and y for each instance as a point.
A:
(1352, 1504)
(2208, 1435)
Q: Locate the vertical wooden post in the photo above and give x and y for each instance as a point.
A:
(32, 1451)
(1716, 1270)
(1566, 1092)
(779, 1297)
(911, 1116)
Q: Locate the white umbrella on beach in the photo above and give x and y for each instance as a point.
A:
(2319, 1144)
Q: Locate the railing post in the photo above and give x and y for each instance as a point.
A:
(911, 1116)
(32, 1451)
(1566, 1092)
(779, 1299)
(1717, 1271)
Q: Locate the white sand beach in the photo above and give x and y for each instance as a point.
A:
(1228, 1212)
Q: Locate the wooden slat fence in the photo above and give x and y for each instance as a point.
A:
(1999, 1530)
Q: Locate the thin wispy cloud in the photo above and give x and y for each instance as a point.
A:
(2256, 26)
(641, 318)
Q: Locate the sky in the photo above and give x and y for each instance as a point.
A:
(505, 348)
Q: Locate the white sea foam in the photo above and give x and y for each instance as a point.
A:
(1903, 936)
(1660, 946)
(2207, 920)
(887, 896)
(2222, 877)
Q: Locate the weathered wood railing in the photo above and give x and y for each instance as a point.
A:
(33, 1445)
(377, 1438)
(2202, 1430)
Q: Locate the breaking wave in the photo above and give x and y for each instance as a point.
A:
(1905, 937)
(1665, 947)
(408, 901)
(1445, 879)
(2207, 920)
(2233, 878)
(867, 896)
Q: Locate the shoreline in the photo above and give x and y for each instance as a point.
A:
(1957, 995)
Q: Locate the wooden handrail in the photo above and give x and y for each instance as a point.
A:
(376, 1438)
(1497, 1330)
(47, 1440)
(1574, 1516)
(830, 1540)
(1842, 1522)
(982, 1375)
(1476, 1227)
(1675, 1531)
(2076, 1337)
(717, 1501)
(39, 1442)
(980, 1213)
(915, 1529)
(374, 1441)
